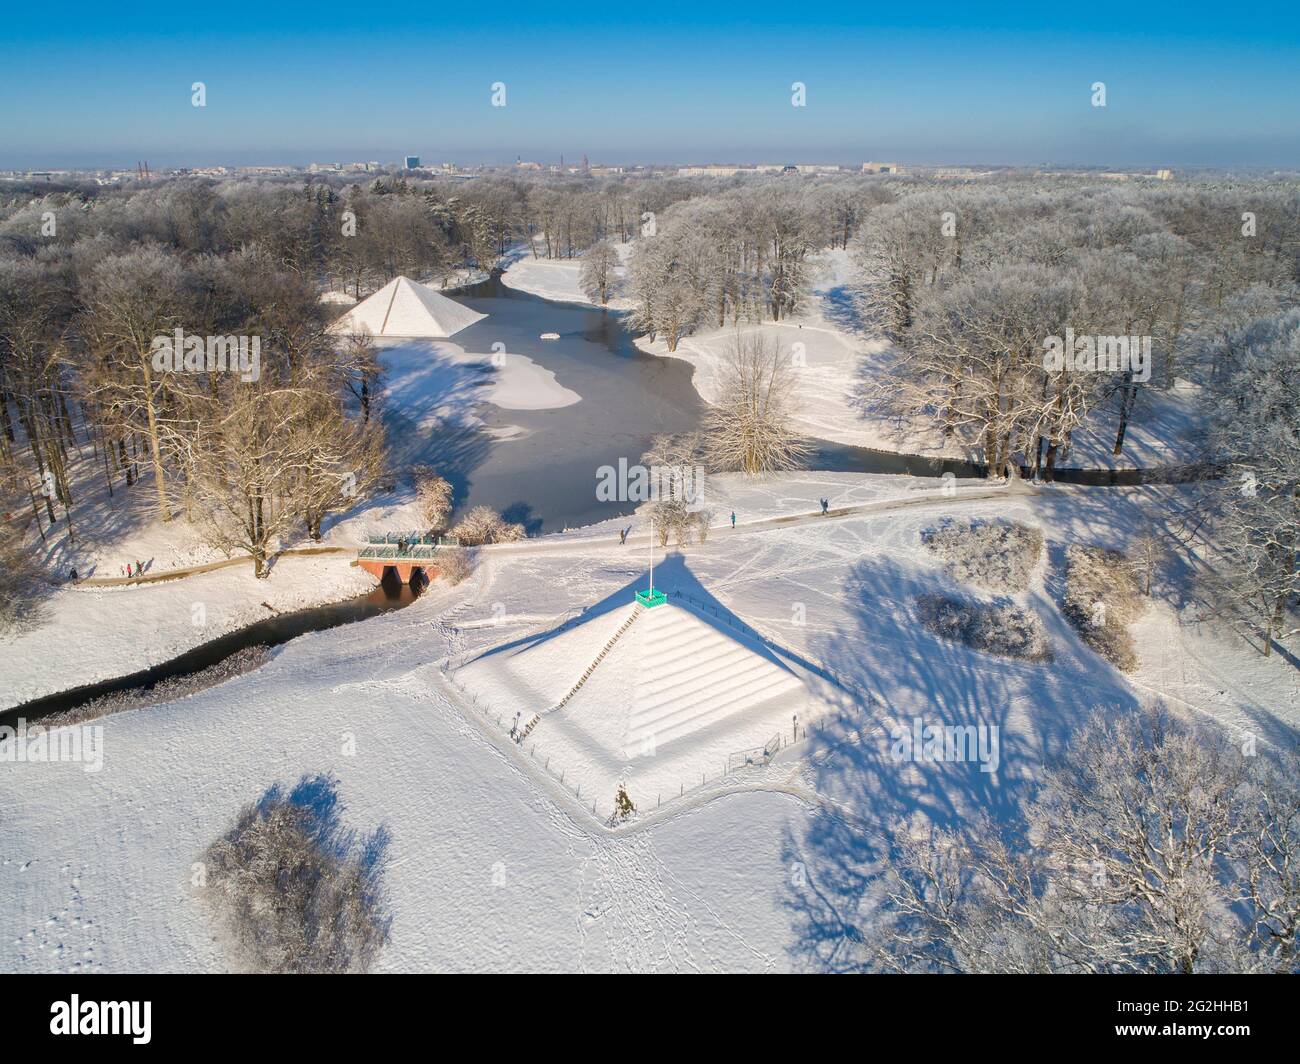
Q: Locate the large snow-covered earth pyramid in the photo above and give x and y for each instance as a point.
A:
(661, 699)
(409, 310)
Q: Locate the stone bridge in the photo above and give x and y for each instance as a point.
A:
(404, 554)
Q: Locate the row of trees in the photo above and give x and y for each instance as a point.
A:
(743, 253)
(970, 282)
(247, 448)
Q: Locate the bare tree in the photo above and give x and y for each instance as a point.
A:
(598, 264)
(131, 299)
(1147, 553)
(750, 428)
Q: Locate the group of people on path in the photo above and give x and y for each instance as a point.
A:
(622, 534)
(128, 572)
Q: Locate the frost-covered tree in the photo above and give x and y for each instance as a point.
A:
(484, 525)
(598, 265)
(1154, 846)
(292, 889)
(129, 300)
(1255, 432)
(974, 363)
(433, 497)
(750, 428)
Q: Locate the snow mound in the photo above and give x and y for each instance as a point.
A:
(408, 309)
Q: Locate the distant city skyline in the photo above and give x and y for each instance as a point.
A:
(1185, 87)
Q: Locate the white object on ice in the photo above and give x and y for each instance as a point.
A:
(406, 308)
(550, 336)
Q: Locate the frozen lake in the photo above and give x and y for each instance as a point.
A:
(539, 466)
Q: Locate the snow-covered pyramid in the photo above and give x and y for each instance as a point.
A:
(637, 693)
(407, 309)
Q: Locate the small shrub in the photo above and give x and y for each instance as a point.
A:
(240, 662)
(432, 498)
(1001, 627)
(455, 564)
(484, 525)
(672, 519)
(996, 555)
(292, 890)
(1102, 596)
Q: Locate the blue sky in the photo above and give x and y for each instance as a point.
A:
(1186, 85)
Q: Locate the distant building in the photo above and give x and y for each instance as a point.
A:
(412, 162)
(881, 168)
(709, 171)
(959, 173)
(816, 168)
(1164, 175)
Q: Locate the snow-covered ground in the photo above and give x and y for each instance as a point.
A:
(498, 864)
(83, 635)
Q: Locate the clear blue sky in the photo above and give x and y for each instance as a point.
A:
(1186, 84)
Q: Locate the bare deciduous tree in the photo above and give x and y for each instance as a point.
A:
(750, 428)
(598, 264)
(433, 498)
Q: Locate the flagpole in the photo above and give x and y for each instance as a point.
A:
(652, 556)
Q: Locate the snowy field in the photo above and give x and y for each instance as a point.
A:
(498, 864)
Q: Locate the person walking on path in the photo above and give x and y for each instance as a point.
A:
(622, 535)
(825, 504)
(733, 518)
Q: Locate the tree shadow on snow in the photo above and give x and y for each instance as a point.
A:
(908, 673)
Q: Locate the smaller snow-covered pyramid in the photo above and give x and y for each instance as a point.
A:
(407, 309)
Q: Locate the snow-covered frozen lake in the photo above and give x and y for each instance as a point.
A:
(537, 461)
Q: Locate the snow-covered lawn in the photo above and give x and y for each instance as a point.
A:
(496, 863)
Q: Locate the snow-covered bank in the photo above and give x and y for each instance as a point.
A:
(559, 279)
(83, 636)
(835, 363)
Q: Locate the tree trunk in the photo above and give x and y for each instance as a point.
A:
(155, 451)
